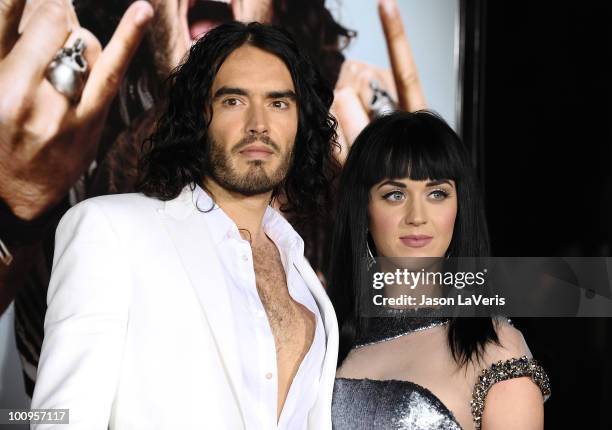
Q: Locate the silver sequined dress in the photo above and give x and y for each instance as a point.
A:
(365, 404)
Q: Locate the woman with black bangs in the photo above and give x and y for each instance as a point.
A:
(408, 190)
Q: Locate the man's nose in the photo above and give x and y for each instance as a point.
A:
(257, 121)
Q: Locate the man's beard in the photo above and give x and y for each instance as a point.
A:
(255, 180)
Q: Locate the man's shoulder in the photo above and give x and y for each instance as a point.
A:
(120, 202)
(115, 208)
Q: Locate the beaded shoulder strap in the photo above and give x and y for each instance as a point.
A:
(502, 371)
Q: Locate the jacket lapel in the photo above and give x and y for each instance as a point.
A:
(189, 232)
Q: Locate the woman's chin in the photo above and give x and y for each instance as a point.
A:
(410, 261)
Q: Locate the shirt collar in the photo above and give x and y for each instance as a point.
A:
(222, 227)
(281, 231)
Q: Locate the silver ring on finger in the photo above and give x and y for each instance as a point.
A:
(381, 103)
(67, 72)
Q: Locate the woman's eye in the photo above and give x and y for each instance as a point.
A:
(394, 196)
(438, 194)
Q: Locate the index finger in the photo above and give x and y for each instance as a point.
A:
(10, 14)
(409, 89)
(108, 71)
(45, 32)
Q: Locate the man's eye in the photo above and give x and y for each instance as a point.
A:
(279, 104)
(231, 102)
(394, 196)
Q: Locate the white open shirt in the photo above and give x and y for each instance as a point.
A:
(256, 341)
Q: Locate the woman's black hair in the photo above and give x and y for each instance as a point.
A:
(177, 152)
(418, 145)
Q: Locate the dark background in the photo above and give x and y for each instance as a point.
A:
(537, 110)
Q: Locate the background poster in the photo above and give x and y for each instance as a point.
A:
(431, 26)
(527, 86)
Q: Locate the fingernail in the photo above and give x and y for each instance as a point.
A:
(389, 6)
(143, 13)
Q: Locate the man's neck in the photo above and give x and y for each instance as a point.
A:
(246, 211)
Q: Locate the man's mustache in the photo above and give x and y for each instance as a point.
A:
(263, 138)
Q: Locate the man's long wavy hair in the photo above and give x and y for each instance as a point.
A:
(176, 154)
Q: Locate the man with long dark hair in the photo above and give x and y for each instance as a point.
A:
(194, 302)
(52, 157)
(46, 154)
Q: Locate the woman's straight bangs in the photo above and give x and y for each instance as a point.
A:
(410, 149)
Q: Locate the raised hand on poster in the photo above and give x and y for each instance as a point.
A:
(247, 11)
(48, 139)
(354, 90)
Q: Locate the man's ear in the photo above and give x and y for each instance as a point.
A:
(207, 112)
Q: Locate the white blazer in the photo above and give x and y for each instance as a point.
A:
(139, 331)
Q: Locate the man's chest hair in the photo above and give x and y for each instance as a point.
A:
(287, 318)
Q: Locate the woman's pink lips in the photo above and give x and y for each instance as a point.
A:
(416, 241)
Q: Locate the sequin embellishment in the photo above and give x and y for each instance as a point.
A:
(397, 323)
(502, 371)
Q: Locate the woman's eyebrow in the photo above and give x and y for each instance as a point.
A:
(439, 182)
(394, 183)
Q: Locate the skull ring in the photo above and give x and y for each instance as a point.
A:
(67, 72)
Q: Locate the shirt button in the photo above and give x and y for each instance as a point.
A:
(245, 258)
(268, 375)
